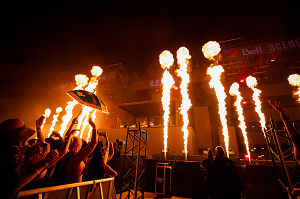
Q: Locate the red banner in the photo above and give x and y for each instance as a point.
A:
(268, 47)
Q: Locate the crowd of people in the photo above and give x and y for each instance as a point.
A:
(42, 162)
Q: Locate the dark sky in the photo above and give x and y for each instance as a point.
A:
(41, 43)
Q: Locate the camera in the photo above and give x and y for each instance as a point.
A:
(102, 133)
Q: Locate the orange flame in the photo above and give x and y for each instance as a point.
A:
(215, 82)
(81, 81)
(182, 59)
(58, 110)
(47, 114)
(234, 91)
(251, 83)
(84, 117)
(211, 49)
(294, 80)
(166, 60)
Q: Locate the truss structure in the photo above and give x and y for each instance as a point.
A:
(282, 153)
(133, 180)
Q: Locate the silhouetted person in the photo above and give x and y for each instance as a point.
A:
(205, 162)
(223, 179)
(293, 133)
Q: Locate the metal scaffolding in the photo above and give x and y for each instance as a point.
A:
(133, 180)
(282, 152)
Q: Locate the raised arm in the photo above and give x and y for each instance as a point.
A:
(74, 121)
(64, 148)
(39, 133)
(85, 152)
(286, 120)
(111, 150)
(34, 173)
(56, 134)
(295, 136)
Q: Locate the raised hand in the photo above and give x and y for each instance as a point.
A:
(53, 155)
(39, 122)
(75, 120)
(91, 122)
(277, 107)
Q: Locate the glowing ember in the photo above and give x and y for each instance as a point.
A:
(211, 49)
(81, 81)
(182, 59)
(294, 80)
(234, 91)
(166, 60)
(58, 110)
(251, 83)
(215, 82)
(47, 114)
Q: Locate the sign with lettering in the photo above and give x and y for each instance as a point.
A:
(268, 47)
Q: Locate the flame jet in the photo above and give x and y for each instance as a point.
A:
(46, 115)
(234, 91)
(182, 59)
(166, 60)
(58, 110)
(294, 80)
(211, 49)
(96, 72)
(252, 83)
(81, 81)
(215, 82)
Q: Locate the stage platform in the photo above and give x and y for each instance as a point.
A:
(188, 178)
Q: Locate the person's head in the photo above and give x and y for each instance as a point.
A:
(56, 144)
(46, 150)
(220, 152)
(76, 144)
(32, 142)
(14, 132)
(33, 154)
(84, 143)
(210, 154)
(96, 166)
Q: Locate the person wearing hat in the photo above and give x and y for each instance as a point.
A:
(14, 134)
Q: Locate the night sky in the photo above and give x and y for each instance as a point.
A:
(43, 44)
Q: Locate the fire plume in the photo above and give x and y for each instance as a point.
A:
(166, 60)
(215, 82)
(81, 81)
(84, 118)
(58, 110)
(182, 59)
(234, 91)
(46, 115)
(294, 80)
(211, 49)
(252, 83)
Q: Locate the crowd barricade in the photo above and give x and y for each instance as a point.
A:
(102, 188)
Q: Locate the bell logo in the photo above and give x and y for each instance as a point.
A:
(254, 51)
